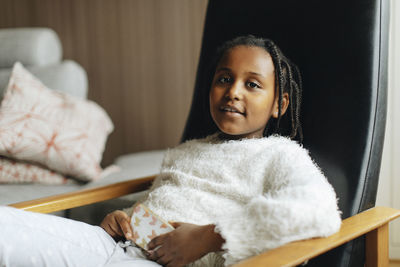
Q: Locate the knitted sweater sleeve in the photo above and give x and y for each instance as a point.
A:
(297, 203)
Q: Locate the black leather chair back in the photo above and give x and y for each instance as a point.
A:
(341, 49)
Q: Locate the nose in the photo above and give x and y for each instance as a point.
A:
(234, 92)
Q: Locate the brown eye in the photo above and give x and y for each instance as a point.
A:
(224, 79)
(252, 85)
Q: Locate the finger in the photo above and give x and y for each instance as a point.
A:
(146, 253)
(175, 224)
(109, 230)
(164, 260)
(110, 225)
(152, 255)
(106, 221)
(173, 264)
(156, 254)
(125, 225)
(156, 241)
(115, 227)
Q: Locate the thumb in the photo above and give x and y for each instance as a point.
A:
(125, 225)
(175, 224)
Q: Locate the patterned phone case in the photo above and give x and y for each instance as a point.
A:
(146, 225)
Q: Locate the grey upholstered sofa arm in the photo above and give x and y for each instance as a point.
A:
(30, 46)
(40, 51)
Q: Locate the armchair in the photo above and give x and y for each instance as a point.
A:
(341, 47)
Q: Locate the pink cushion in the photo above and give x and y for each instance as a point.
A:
(59, 131)
(12, 171)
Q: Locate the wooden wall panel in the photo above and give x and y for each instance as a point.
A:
(140, 55)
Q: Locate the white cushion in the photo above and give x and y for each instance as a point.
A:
(51, 128)
(16, 172)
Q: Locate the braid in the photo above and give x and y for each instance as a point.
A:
(293, 123)
(273, 51)
(299, 92)
(288, 80)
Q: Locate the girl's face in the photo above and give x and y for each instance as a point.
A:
(242, 95)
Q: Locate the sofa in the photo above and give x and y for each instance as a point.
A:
(40, 51)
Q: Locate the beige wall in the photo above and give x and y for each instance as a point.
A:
(140, 55)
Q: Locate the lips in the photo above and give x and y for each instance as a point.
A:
(232, 108)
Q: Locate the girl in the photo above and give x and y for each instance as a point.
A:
(231, 195)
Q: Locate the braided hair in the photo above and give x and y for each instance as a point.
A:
(287, 79)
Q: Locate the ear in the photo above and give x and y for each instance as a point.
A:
(285, 104)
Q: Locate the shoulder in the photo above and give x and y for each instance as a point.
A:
(291, 163)
(277, 147)
(282, 142)
(290, 154)
(284, 147)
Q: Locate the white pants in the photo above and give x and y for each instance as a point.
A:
(33, 239)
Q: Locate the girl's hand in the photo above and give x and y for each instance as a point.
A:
(117, 224)
(187, 243)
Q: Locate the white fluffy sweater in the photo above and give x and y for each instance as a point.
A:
(260, 193)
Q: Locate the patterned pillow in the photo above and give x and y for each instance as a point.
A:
(56, 130)
(12, 171)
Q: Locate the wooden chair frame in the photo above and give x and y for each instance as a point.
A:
(373, 223)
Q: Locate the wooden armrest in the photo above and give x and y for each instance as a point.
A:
(373, 222)
(85, 196)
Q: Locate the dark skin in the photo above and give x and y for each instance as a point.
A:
(187, 243)
(177, 247)
(242, 100)
(243, 96)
